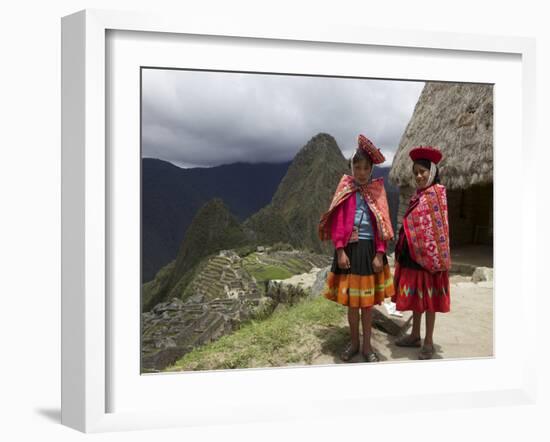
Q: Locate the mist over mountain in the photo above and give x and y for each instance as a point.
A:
(303, 195)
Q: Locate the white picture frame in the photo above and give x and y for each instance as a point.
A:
(87, 355)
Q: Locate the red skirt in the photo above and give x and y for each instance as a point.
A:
(420, 291)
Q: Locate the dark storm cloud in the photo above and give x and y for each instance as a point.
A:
(205, 119)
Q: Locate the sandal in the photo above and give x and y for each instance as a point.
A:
(426, 353)
(407, 341)
(349, 353)
(371, 357)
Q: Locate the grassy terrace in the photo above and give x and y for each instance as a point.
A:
(266, 267)
(293, 335)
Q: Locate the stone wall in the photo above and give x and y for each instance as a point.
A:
(172, 329)
(220, 299)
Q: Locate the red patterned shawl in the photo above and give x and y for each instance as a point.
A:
(426, 227)
(375, 196)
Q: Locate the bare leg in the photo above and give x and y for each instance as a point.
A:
(353, 319)
(353, 347)
(430, 324)
(366, 320)
(428, 347)
(412, 340)
(415, 333)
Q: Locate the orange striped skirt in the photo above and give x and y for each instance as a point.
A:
(359, 286)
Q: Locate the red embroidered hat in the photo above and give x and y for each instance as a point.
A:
(372, 151)
(431, 153)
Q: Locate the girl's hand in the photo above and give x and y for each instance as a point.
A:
(343, 260)
(377, 263)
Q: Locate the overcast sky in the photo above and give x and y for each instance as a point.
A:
(202, 119)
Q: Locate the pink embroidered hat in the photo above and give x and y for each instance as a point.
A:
(430, 153)
(371, 150)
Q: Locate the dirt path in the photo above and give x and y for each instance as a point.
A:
(465, 332)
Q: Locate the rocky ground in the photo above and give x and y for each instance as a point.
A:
(465, 332)
(175, 328)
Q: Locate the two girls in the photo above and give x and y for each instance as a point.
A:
(358, 222)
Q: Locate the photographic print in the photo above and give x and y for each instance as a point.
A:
(292, 220)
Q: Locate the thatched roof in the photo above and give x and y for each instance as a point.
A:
(458, 118)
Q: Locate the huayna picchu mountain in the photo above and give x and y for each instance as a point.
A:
(303, 195)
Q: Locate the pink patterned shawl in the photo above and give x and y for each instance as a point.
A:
(426, 227)
(375, 196)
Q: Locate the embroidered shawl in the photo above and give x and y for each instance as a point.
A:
(375, 196)
(426, 227)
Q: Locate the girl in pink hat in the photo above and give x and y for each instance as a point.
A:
(422, 253)
(358, 222)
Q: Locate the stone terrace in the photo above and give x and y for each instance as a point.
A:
(219, 299)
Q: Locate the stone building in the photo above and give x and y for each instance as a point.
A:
(221, 297)
(457, 118)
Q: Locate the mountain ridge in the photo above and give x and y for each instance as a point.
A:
(291, 217)
(171, 196)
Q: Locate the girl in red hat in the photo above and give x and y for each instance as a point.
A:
(422, 253)
(358, 222)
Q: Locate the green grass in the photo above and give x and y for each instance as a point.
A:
(297, 265)
(268, 272)
(273, 268)
(291, 335)
(151, 290)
